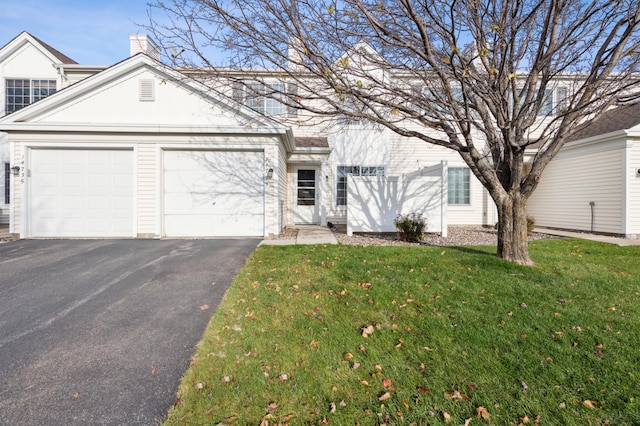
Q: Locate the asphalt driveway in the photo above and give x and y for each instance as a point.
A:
(101, 331)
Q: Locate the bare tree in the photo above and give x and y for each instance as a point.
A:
(488, 79)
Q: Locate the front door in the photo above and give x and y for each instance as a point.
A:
(306, 196)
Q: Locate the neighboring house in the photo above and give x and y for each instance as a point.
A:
(27, 75)
(593, 183)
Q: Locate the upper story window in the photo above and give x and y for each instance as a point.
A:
(267, 99)
(458, 188)
(21, 92)
(554, 102)
(344, 171)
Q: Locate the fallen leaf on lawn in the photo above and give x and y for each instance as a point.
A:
(199, 386)
(378, 367)
(283, 377)
(367, 331)
(314, 343)
(342, 403)
(384, 396)
(467, 422)
(272, 407)
(447, 416)
(482, 412)
(424, 390)
(356, 365)
(362, 348)
(589, 404)
(204, 307)
(333, 408)
(364, 382)
(348, 355)
(386, 383)
(456, 395)
(562, 405)
(525, 419)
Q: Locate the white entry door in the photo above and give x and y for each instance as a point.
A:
(214, 193)
(81, 193)
(306, 195)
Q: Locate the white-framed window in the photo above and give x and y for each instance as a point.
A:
(554, 102)
(7, 183)
(344, 171)
(265, 98)
(22, 92)
(458, 188)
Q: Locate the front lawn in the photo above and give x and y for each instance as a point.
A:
(350, 335)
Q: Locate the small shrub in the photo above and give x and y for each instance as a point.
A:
(410, 227)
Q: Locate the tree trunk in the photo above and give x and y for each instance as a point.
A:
(513, 242)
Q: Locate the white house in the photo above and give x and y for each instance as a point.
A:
(593, 183)
(141, 150)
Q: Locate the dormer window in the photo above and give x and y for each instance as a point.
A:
(20, 92)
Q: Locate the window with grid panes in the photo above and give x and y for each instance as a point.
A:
(344, 171)
(21, 92)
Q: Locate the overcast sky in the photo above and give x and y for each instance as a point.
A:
(88, 31)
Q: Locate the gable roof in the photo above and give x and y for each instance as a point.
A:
(613, 120)
(35, 117)
(24, 37)
(64, 59)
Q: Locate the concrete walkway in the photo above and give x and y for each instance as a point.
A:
(307, 234)
(591, 237)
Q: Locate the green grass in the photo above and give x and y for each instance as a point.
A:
(524, 343)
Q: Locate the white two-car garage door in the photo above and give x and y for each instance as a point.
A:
(213, 193)
(81, 193)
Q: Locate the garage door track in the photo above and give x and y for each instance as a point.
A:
(100, 331)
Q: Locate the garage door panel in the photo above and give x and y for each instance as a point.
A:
(213, 193)
(81, 193)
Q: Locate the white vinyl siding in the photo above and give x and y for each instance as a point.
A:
(633, 192)
(575, 178)
(147, 190)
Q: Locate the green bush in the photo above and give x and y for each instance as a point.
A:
(410, 227)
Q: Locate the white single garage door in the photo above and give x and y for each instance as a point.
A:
(81, 193)
(213, 193)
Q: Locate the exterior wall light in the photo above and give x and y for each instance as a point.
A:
(15, 170)
(269, 174)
